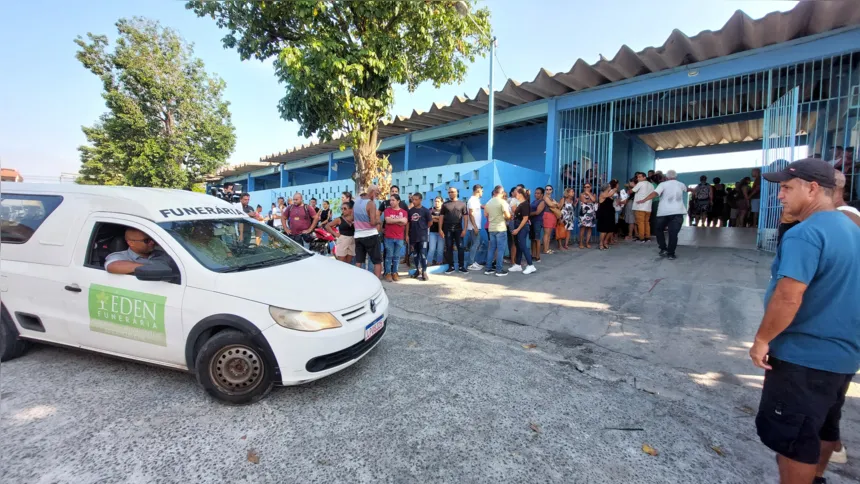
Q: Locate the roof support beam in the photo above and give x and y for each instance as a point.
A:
(439, 146)
(709, 150)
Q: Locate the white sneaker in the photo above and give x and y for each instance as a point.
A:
(840, 457)
(516, 268)
(476, 267)
(530, 269)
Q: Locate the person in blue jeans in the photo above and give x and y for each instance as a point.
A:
(498, 213)
(436, 242)
(521, 233)
(395, 233)
(473, 224)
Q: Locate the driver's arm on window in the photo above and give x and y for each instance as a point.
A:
(122, 267)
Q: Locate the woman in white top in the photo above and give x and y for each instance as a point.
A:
(276, 214)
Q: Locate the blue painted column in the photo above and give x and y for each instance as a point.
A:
(551, 162)
(285, 175)
(408, 152)
(330, 166)
(249, 184)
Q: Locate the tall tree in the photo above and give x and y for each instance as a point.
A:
(340, 58)
(167, 124)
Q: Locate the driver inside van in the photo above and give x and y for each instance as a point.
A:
(141, 251)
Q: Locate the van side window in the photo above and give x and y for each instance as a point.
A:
(21, 215)
(109, 238)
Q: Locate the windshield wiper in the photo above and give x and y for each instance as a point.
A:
(266, 263)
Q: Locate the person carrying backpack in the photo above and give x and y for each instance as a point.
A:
(703, 196)
(300, 220)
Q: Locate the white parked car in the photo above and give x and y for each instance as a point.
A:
(228, 298)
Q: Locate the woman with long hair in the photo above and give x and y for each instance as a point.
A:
(325, 214)
(536, 220)
(606, 213)
(550, 218)
(345, 245)
(587, 209)
(436, 245)
(521, 232)
(568, 216)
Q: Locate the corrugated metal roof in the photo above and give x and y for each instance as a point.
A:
(741, 33)
(240, 169)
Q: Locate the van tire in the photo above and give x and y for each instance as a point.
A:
(10, 345)
(251, 375)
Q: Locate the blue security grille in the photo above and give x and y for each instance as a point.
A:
(585, 146)
(825, 93)
(778, 150)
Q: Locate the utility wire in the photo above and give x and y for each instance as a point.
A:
(496, 55)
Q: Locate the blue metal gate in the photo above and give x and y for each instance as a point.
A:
(778, 143)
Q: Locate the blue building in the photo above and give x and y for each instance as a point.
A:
(787, 84)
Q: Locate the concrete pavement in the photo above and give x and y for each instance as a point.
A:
(478, 379)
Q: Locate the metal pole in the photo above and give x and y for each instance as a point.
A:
(490, 115)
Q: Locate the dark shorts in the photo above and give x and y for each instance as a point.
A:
(536, 230)
(368, 247)
(799, 408)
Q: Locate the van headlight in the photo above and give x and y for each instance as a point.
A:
(303, 320)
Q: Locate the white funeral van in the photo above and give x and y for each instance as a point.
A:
(225, 297)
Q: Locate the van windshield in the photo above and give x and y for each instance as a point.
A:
(233, 245)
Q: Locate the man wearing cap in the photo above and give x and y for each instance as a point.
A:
(808, 342)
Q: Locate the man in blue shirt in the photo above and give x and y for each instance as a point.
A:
(809, 339)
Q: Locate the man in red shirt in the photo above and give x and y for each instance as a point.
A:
(299, 220)
(395, 227)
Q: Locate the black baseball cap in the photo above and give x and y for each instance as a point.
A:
(807, 169)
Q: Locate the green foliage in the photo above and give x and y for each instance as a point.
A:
(339, 59)
(167, 124)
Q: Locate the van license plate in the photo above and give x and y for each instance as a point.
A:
(373, 328)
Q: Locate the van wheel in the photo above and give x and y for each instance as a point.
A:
(233, 369)
(10, 346)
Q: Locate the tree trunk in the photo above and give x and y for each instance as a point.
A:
(369, 168)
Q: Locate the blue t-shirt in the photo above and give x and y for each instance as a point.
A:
(537, 220)
(822, 252)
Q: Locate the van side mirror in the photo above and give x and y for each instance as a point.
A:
(157, 271)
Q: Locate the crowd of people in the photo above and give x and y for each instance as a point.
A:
(517, 226)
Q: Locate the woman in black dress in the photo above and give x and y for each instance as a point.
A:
(606, 213)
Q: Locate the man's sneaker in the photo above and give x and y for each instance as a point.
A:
(449, 270)
(663, 253)
(840, 457)
(476, 267)
(424, 277)
(672, 257)
(465, 271)
(529, 270)
(489, 272)
(415, 274)
(516, 268)
(388, 278)
(502, 273)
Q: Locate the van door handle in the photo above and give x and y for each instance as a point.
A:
(73, 288)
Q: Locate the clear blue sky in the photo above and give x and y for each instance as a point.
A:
(46, 95)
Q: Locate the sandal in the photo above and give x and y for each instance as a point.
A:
(549, 251)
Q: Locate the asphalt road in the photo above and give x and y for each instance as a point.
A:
(439, 400)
